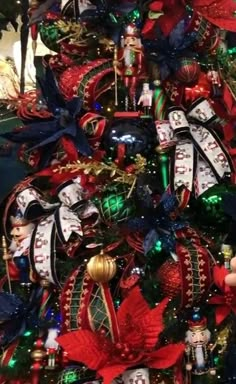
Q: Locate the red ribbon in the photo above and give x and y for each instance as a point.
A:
(98, 124)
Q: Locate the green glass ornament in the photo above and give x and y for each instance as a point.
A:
(208, 208)
(50, 35)
(114, 205)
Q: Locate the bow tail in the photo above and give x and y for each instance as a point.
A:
(42, 250)
(212, 151)
(204, 177)
(183, 165)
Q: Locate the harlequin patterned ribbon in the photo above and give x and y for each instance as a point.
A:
(195, 267)
(200, 159)
(80, 299)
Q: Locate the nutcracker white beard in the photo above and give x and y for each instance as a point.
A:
(127, 56)
(13, 246)
(199, 355)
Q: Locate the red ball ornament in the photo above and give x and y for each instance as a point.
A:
(170, 278)
(188, 72)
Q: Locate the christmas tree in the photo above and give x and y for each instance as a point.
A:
(118, 244)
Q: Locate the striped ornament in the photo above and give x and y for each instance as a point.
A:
(188, 72)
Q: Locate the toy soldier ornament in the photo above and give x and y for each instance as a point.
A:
(198, 351)
(52, 347)
(136, 376)
(146, 99)
(19, 247)
(129, 63)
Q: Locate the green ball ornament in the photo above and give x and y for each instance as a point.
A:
(114, 205)
(50, 35)
(210, 207)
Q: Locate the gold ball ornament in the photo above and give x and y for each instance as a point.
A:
(101, 268)
(38, 354)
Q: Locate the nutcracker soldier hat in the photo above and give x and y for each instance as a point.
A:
(131, 31)
(18, 220)
(197, 325)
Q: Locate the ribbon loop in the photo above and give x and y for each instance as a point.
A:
(178, 120)
(202, 111)
(32, 205)
(68, 217)
(200, 159)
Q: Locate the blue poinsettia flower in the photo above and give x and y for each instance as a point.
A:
(64, 122)
(17, 315)
(167, 51)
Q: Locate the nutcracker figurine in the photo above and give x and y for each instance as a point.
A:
(19, 247)
(198, 350)
(146, 99)
(136, 376)
(129, 63)
(52, 347)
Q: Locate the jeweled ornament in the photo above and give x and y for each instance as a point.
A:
(170, 278)
(114, 205)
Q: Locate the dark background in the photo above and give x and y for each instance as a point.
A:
(11, 170)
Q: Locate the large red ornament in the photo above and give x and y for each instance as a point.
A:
(170, 279)
(188, 71)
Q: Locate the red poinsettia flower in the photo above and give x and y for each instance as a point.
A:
(220, 13)
(226, 302)
(139, 329)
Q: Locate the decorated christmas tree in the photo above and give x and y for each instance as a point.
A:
(118, 240)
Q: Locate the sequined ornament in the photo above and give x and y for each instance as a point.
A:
(101, 268)
(50, 32)
(114, 205)
(188, 72)
(170, 278)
